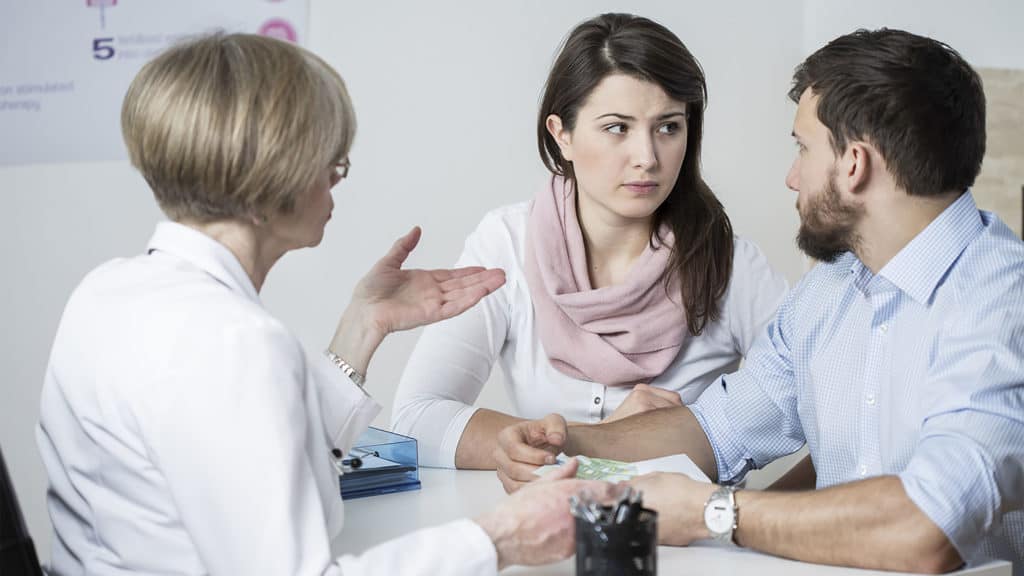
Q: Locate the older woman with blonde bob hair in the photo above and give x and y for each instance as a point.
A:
(183, 428)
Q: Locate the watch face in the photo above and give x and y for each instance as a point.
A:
(718, 516)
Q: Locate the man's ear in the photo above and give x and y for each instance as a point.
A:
(857, 166)
(562, 136)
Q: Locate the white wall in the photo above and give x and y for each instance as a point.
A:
(987, 33)
(446, 94)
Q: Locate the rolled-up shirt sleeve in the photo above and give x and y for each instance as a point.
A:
(750, 417)
(967, 470)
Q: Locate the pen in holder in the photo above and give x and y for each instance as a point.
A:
(616, 539)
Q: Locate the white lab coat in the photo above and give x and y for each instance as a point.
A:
(185, 432)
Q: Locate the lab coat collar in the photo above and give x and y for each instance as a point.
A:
(205, 253)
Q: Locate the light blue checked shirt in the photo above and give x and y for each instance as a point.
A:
(917, 371)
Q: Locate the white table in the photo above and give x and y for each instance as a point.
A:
(450, 494)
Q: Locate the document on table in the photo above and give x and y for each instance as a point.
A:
(616, 471)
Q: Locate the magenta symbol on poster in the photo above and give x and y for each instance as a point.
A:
(280, 29)
(102, 4)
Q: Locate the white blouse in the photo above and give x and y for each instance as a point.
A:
(453, 359)
(185, 432)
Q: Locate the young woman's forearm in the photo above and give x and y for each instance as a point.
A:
(476, 446)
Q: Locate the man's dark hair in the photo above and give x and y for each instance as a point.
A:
(913, 98)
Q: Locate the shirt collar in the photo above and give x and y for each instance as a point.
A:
(204, 253)
(924, 261)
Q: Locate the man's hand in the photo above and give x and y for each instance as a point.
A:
(534, 526)
(524, 446)
(642, 398)
(679, 501)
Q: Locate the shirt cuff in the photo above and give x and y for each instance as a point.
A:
(709, 409)
(346, 409)
(482, 556)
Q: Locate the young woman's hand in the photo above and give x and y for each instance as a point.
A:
(642, 398)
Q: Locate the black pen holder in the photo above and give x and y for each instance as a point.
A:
(627, 549)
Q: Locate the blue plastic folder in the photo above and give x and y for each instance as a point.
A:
(388, 463)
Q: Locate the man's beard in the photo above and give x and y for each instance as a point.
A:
(827, 230)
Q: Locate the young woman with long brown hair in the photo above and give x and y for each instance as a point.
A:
(626, 287)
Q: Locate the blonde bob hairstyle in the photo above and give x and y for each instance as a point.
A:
(235, 126)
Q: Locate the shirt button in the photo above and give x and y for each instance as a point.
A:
(597, 400)
(863, 470)
(871, 399)
(884, 328)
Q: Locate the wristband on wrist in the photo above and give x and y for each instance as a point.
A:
(353, 374)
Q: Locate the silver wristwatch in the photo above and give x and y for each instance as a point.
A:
(720, 514)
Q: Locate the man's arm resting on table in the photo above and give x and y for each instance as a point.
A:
(643, 436)
(802, 476)
(868, 524)
(476, 448)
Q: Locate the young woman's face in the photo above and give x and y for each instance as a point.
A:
(626, 149)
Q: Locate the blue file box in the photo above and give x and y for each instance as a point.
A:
(389, 463)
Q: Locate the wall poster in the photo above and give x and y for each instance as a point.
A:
(66, 65)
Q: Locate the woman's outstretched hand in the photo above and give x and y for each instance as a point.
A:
(389, 299)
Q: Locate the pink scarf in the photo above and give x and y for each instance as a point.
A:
(616, 335)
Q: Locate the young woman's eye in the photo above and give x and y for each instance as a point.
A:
(669, 128)
(615, 128)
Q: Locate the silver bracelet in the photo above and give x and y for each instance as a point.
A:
(353, 374)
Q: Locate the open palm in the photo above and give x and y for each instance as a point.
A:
(398, 299)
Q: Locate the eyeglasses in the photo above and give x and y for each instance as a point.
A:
(342, 168)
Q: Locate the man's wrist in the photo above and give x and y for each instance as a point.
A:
(743, 498)
(721, 514)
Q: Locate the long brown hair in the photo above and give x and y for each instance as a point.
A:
(641, 48)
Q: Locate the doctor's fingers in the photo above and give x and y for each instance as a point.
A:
(458, 301)
(456, 278)
(401, 249)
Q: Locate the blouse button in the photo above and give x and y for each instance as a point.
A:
(597, 400)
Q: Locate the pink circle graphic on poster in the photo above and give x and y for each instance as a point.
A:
(280, 29)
